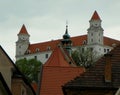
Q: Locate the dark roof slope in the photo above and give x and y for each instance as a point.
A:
(94, 77)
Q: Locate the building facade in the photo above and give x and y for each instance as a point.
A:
(12, 81)
(94, 40)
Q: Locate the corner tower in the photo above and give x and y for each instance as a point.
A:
(22, 42)
(95, 31)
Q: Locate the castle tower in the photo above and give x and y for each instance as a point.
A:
(95, 31)
(22, 42)
(66, 42)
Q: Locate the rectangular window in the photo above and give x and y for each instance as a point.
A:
(46, 56)
(91, 40)
(35, 57)
(82, 49)
(104, 50)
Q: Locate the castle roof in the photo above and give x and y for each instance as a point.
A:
(76, 41)
(95, 16)
(55, 72)
(23, 30)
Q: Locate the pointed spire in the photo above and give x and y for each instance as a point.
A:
(66, 35)
(95, 16)
(66, 32)
(23, 30)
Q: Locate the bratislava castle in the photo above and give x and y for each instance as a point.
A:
(94, 40)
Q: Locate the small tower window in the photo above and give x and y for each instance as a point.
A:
(19, 46)
(91, 34)
(91, 40)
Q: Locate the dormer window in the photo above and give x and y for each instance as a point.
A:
(84, 42)
(48, 48)
(37, 50)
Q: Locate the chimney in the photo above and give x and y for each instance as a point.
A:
(107, 71)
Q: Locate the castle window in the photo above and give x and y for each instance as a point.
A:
(91, 40)
(84, 42)
(19, 46)
(91, 49)
(37, 50)
(82, 49)
(104, 50)
(107, 50)
(35, 57)
(48, 48)
(46, 56)
(91, 34)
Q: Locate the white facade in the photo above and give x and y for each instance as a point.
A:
(22, 44)
(41, 56)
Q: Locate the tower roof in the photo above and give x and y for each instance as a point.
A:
(66, 35)
(23, 30)
(95, 16)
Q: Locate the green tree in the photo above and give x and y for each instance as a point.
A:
(84, 57)
(29, 68)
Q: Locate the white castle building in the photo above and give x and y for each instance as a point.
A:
(95, 40)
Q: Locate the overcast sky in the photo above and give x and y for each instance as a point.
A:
(45, 20)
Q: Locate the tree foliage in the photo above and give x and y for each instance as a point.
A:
(29, 68)
(84, 58)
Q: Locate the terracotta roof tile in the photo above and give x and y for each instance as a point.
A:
(23, 30)
(53, 78)
(95, 16)
(57, 59)
(57, 71)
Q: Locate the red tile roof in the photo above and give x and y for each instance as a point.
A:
(57, 59)
(53, 78)
(56, 72)
(23, 30)
(95, 16)
(76, 41)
